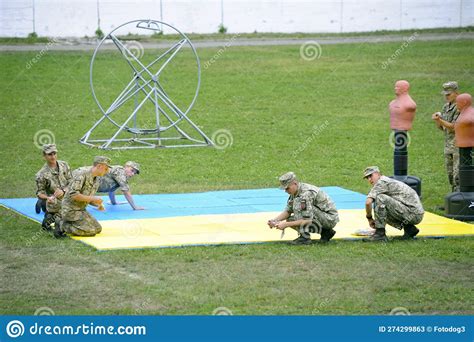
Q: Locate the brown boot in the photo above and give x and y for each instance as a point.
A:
(378, 236)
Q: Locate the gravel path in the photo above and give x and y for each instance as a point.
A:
(89, 45)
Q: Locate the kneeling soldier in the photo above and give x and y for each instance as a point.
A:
(309, 210)
(394, 203)
(75, 218)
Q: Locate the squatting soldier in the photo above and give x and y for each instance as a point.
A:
(75, 218)
(309, 210)
(51, 184)
(445, 121)
(394, 203)
(118, 177)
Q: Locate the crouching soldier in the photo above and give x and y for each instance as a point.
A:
(309, 210)
(394, 203)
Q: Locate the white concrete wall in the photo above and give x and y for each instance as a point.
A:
(78, 18)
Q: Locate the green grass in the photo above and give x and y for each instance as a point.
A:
(270, 99)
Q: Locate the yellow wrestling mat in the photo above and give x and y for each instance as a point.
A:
(240, 229)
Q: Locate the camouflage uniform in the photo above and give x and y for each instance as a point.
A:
(114, 179)
(75, 219)
(48, 180)
(395, 203)
(312, 203)
(451, 152)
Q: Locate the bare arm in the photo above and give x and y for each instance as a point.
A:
(89, 199)
(441, 123)
(368, 211)
(297, 223)
(128, 196)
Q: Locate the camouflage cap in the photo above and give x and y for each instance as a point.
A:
(369, 170)
(102, 160)
(450, 87)
(133, 165)
(286, 179)
(49, 148)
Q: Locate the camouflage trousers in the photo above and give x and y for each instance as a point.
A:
(320, 221)
(390, 211)
(86, 225)
(49, 219)
(451, 161)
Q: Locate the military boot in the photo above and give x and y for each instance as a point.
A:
(410, 231)
(326, 235)
(378, 236)
(301, 240)
(58, 232)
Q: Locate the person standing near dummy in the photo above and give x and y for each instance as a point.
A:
(445, 121)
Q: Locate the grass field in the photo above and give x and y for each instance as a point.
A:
(272, 101)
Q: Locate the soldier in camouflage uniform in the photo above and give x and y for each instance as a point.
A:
(309, 210)
(51, 184)
(394, 203)
(118, 177)
(75, 218)
(445, 121)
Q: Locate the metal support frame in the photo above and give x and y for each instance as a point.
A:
(147, 83)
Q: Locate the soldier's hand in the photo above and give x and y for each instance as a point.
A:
(59, 193)
(371, 223)
(271, 223)
(51, 199)
(101, 207)
(436, 116)
(280, 225)
(97, 201)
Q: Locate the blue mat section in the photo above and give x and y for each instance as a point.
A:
(201, 203)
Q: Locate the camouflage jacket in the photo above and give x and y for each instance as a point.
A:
(114, 179)
(48, 180)
(308, 200)
(398, 191)
(449, 113)
(82, 183)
